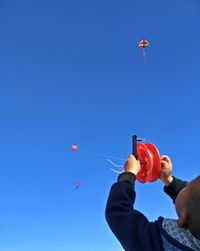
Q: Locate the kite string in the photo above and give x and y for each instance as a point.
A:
(113, 164)
(102, 155)
(115, 171)
(110, 161)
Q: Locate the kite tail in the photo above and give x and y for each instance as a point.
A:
(143, 54)
(74, 189)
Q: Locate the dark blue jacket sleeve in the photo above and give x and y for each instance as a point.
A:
(174, 188)
(131, 227)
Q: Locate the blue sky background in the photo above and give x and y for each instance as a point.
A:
(71, 73)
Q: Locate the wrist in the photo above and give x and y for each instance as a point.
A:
(167, 181)
(127, 177)
(135, 172)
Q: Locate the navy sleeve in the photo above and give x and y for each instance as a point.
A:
(131, 227)
(174, 188)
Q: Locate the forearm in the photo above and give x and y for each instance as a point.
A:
(122, 195)
(173, 188)
(119, 212)
(130, 226)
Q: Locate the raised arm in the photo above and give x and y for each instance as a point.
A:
(130, 226)
(172, 185)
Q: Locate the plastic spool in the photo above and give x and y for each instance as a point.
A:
(149, 158)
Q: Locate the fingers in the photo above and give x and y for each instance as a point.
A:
(165, 158)
(132, 165)
(131, 156)
(164, 164)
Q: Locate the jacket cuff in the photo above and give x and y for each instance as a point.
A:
(127, 177)
(174, 188)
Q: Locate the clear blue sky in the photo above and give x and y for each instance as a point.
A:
(71, 73)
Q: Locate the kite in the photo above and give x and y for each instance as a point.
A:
(78, 184)
(143, 44)
(75, 148)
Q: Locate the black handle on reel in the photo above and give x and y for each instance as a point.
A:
(134, 146)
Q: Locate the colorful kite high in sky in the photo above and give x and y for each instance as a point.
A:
(143, 44)
(75, 148)
(78, 184)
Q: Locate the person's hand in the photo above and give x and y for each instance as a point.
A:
(132, 165)
(166, 170)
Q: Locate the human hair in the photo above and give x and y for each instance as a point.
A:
(193, 207)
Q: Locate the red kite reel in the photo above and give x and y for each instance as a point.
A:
(149, 158)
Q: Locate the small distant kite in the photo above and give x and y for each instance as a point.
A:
(78, 184)
(75, 148)
(143, 44)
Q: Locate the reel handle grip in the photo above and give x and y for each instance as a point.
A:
(134, 146)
